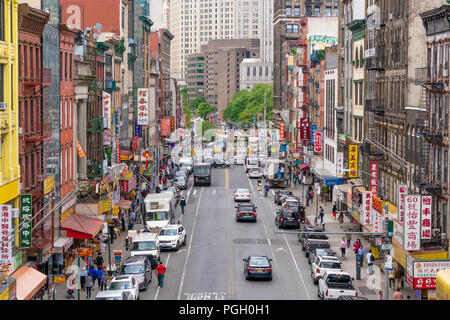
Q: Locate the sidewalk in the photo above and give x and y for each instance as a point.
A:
(366, 287)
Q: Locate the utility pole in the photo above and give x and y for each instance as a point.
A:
(265, 107)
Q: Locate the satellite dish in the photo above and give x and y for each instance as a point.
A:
(98, 26)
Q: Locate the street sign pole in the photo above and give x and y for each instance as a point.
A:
(78, 276)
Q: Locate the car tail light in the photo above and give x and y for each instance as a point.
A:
(317, 270)
(239, 213)
(309, 245)
(251, 269)
(328, 246)
(356, 294)
(253, 213)
(326, 293)
(298, 219)
(281, 219)
(248, 196)
(268, 269)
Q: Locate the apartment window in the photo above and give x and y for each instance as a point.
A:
(254, 72)
(328, 11)
(38, 63)
(296, 11)
(309, 11)
(70, 66)
(317, 10)
(289, 11)
(336, 13)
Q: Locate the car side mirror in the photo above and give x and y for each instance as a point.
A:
(353, 279)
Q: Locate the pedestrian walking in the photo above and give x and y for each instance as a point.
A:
(341, 217)
(99, 277)
(398, 274)
(334, 211)
(321, 214)
(391, 279)
(93, 272)
(380, 295)
(343, 246)
(160, 271)
(89, 255)
(132, 220)
(398, 295)
(83, 274)
(124, 222)
(356, 246)
(111, 233)
(182, 204)
(307, 196)
(103, 246)
(89, 285)
(294, 178)
(349, 239)
(104, 283)
(51, 292)
(370, 259)
(361, 254)
(99, 260)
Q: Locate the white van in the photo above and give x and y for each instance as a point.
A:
(157, 214)
(146, 244)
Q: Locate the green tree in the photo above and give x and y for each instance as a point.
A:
(204, 109)
(194, 103)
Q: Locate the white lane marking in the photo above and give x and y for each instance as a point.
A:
(195, 191)
(205, 296)
(190, 245)
(273, 193)
(166, 265)
(250, 183)
(280, 249)
(214, 191)
(293, 258)
(187, 199)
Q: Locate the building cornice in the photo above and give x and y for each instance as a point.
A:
(32, 20)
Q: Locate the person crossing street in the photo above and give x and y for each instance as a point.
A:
(182, 204)
(160, 271)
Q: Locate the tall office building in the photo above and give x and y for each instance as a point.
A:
(195, 22)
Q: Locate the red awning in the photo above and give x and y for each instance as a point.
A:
(81, 227)
(124, 204)
(303, 167)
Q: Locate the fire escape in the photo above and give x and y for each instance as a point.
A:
(430, 129)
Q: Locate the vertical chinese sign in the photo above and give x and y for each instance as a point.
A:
(118, 150)
(143, 106)
(6, 239)
(318, 141)
(353, 161)
(305, 130)
(339, 164)
(365, 217)
(373, 178)
(281, 131)
(25, 220)
(172, 124)
(106, 110)
(412, 223)
(402, 191)
(426, 217)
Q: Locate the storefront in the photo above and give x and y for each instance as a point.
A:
(8, 290)
(327, 179)
(29, 283)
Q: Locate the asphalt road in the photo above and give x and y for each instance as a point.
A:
(210, 266)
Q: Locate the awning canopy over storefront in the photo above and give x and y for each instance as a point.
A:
(124, 204)
(303, 166)
(28, 282)
(81, 227)
(329, 178)
(62, 244)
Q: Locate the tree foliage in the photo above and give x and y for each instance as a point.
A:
(194, 103)
(204, 109)
(206, 125)
(246, 104)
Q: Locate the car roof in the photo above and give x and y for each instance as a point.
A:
(259, 257)
(172, 226)
(246, 190)
(339, 272)
(329, 258)
(135, 260)
(110, 293)
(145, 236)
(122, 278)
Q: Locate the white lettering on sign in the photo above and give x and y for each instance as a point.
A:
(426, 217)
(412, 223)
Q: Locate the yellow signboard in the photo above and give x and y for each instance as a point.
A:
(104, 206)
(400, 254)
(49, 184)
(353, 161)
(115, 211)
(67, 213)
(5, 294)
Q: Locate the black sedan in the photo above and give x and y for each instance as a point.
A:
(299, 209)
(180, 183)
(286, 218)
(280, 194)
(258, 267)
(246, 212)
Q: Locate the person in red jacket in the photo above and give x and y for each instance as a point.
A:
(160, 271)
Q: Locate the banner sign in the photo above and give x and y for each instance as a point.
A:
(304, 129)
(425, 217)
(402, 190)
(281, 131)
(106, 110)
(412, 223)
(339, 164)
(5, 241)
(353, 161)
(422, 274)
(365, 215)
(377, 221)
(49, 184)
(117, 150)
(318, 141)
(80, 150)
(137, 129)
(313, 131)
(25, 218)
(143, 106)
(373, 178)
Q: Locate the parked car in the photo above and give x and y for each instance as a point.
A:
(218, 163)
(126, 284)
(280, 194)
(258, 267)
(324, 264)
(238, 159)
(246, 212)
(311, 244)
(320, 252)
(138, 267)
(334, 284)
(254, 173)
(287, 218)
(308, 228)
(180, 173)
(172, 236)
(187, 165)
(180, 183)
(113, 295)
(293, 201)
(241, 195)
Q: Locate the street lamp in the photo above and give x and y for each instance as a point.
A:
(387, 219)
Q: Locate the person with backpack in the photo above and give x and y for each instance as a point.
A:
(321, 214)
(104, 279)
(99, 277)
(99, 260)
(132, 220)
(370, 259)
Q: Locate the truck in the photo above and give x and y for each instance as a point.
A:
(443, 285)
(146, 244)
(334, 284)
(202, 174)
(274, 175)
(159, 210)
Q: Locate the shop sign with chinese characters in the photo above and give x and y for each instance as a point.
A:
(402, 191)
(373, 178)
(421, 274)
(281, 131)
(106, 110)
(412, 223)
(426, 217)
(318, 146)
(353, 161)
(142, 106)
(5, 238)
(377, 222)
(365, 217)
(25, 220)
(339, 164)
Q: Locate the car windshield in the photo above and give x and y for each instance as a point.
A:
(242, 191)
(255, 170)
(258, 262)
(180, 173)
(144, 246)
(339, 278)
(252, 161)
(330, 265)
(289, 214)
(168, 232)
(132, 269)
(246, 208)
(202, 170)
(179, 179)
(157, 216)
(120, 285)
(285, 193)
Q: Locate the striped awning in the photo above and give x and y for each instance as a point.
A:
(124, 204)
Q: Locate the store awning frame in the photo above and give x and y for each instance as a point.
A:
(28, 282)
(79, 226)
(124, 204)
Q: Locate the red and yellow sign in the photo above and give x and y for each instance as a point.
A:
(49, 184)
(172, 124)
(353, 161)
(80, 150)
